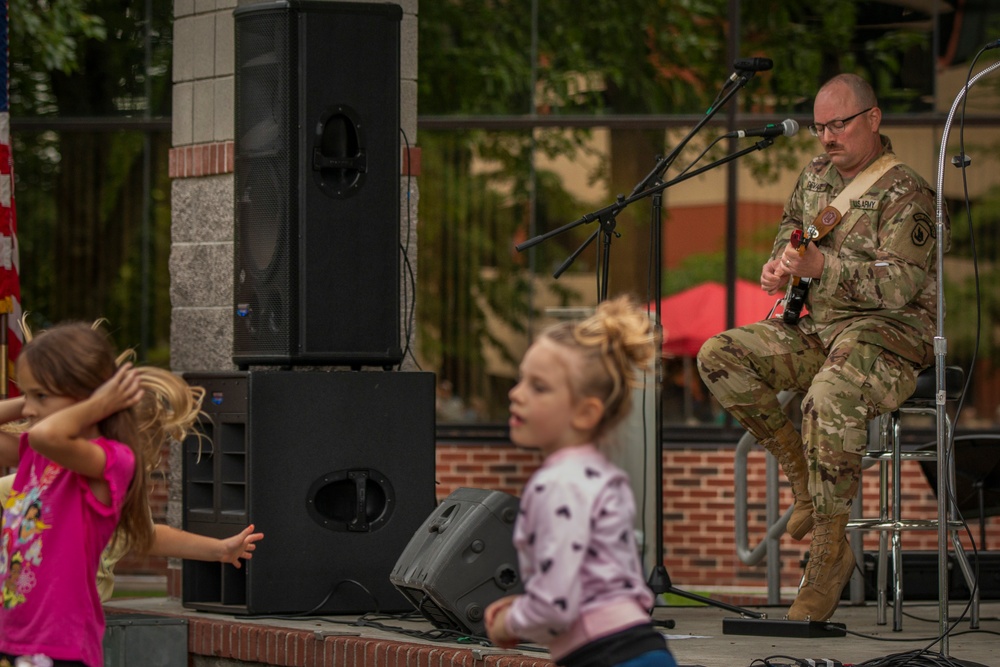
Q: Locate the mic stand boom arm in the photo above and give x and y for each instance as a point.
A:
(724, 97)
(608, 214)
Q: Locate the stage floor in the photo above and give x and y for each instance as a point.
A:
(697, 637)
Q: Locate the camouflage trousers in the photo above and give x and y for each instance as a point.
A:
(845, 386)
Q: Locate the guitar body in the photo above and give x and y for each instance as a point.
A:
(798, 287)
(795, 299)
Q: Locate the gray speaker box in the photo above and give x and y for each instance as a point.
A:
(461, 559)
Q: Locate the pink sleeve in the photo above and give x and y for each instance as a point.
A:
(118, 470)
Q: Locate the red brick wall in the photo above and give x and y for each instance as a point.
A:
(221, 640)
(493, 467)
(698, 510)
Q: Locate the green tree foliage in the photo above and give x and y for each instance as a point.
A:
(605, 59)
(972, 288)
(46, 37)
(80, 191)
(600, 58)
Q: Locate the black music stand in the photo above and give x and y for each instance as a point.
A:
(977, 477)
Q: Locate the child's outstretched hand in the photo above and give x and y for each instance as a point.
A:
(121, 391)
(496, 623)
(240, 546)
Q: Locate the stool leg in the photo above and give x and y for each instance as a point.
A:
(857, 586)
(970, 579)
(882, 581)
(897, 546)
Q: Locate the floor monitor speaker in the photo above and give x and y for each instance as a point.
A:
(461, 559)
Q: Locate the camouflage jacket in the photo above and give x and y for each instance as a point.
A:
(879, 281)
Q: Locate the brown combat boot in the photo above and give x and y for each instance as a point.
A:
(831, 563)
(786, 446)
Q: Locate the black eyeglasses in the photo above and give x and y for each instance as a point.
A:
(835, 126)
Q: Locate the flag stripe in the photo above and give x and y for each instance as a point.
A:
(10, 284)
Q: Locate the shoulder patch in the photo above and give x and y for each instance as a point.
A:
(922, 230)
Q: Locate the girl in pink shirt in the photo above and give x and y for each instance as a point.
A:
(93, 427)
(585, 596)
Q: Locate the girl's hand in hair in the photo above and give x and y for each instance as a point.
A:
(121, 391)
(66, 436)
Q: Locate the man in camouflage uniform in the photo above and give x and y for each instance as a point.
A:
(872, 310)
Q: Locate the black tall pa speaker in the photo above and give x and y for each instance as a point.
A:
(461, 560)
(336, 469)
(317, 166)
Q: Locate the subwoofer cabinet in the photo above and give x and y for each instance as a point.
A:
(335, 468)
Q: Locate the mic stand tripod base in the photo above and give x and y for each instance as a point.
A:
(765, 627)
(659, 582)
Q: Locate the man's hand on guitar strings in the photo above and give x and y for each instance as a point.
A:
(807, 265)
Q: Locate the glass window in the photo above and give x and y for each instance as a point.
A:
(491, 182)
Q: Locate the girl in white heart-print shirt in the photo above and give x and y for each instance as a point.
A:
(585, 596)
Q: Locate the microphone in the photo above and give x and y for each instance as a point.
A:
(753, 64)
(787, 127)
(992, 45)
(747, 67)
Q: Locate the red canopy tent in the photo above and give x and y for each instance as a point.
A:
(693, 316)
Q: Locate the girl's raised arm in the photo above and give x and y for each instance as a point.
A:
(65, 436)
(10, 410)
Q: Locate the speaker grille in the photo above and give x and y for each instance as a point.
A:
(265, 205)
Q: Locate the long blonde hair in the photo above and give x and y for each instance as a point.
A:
(73, 359)
(613, 344)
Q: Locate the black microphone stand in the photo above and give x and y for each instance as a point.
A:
(652, 186)
(607, 215)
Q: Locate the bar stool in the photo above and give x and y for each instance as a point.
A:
(884, 448)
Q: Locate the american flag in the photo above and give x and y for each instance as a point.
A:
(10, 284)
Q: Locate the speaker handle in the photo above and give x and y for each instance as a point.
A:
(339, 157)
(441, 523)
(360, 519)
(340, 500)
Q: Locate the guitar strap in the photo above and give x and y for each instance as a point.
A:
(834, 213)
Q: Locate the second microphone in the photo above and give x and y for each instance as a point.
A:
(787, 127)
